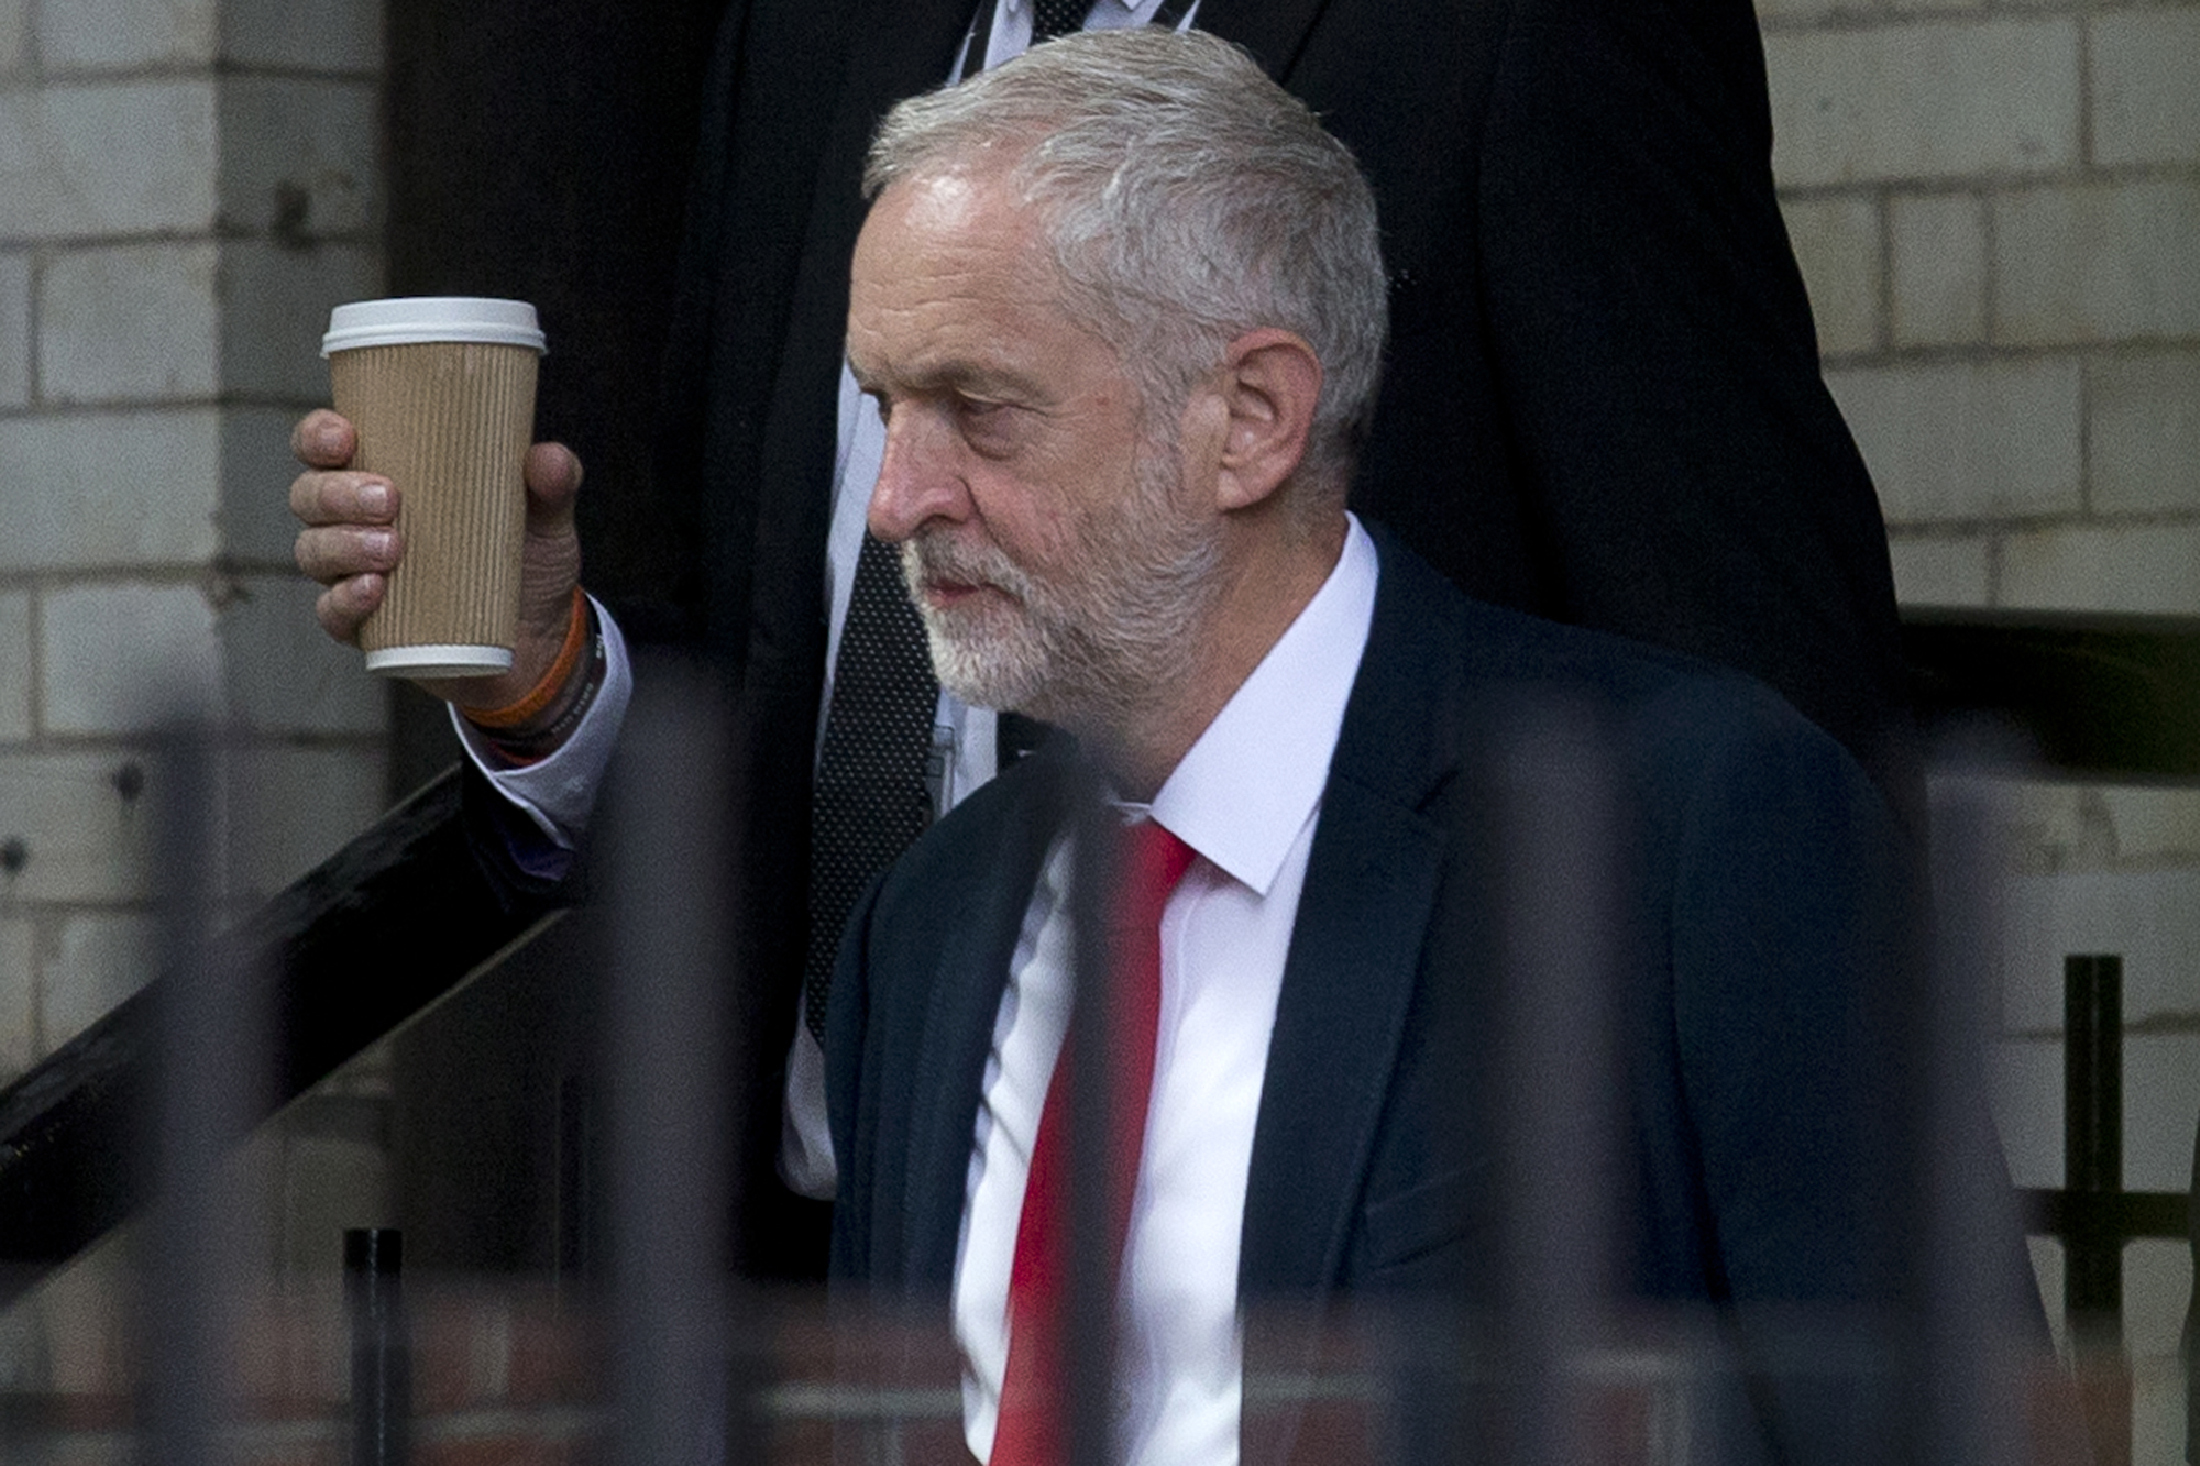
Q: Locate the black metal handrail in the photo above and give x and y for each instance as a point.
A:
(348, 953)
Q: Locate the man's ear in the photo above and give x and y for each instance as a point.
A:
(1268, 385)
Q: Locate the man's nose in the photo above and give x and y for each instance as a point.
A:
(919, 477)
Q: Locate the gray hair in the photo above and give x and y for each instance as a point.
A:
(1187, 198)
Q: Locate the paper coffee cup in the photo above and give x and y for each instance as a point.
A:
(442, 392)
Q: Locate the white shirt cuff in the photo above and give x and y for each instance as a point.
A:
(559, 792)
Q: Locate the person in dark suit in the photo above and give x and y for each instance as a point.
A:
(1120, 303)
(1602, 401)
(1602, 404)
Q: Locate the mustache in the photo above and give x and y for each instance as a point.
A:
(931, 557)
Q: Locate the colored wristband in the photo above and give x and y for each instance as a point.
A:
(552, 682)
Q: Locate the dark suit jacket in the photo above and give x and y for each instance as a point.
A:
(1602, 401)
(1764, 920)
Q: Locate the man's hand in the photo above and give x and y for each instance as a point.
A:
(350, 544)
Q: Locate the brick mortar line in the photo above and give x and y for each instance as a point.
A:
(1989, 353)
(2137, 520)
(1986, 185)
(44, 78)
(1846, 21)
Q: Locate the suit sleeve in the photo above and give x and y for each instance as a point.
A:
(1684, 467)
(1803, 1014)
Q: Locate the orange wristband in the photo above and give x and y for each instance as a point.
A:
(538, 697)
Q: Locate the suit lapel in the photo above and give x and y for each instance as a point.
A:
(1350, 979)
(971, 972)
(1347, 986)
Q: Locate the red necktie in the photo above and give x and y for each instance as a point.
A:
(1029, 1432)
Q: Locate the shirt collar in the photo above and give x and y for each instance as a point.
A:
(1248, 786)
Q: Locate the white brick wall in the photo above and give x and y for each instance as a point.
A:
(1929, 99)
(2145, 72)
(1968, 440)
(96, 490)
(1937, 249)
(84, 839)
(15, 32)
(132, 323)
(100, 959)
(15, 330)
(2098, 262)
(120, 659)
(342, 37)
(16, 662)
(119, 35)
(2150, 569)
(107, 158)
(2143, 432)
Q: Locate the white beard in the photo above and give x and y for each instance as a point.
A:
(1117, 629)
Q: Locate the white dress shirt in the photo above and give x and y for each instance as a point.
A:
(1245, 799)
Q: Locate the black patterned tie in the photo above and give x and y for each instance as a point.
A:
(870, 800)
(1051, 18)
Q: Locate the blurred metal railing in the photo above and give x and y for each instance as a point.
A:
(400, 917)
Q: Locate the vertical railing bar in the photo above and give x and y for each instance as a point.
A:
(1967, 1376)
(381, 1348)
(2093, 1175)
(211, 1052)
(668, 868)
(1556, 1090)
(1087, 1356)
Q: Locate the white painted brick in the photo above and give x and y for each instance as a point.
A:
(15, 33)
(116, 34)
(279, 304)
(114, 158)
(15, 666)
(88, 1316)
(132, 324)
(1837, 244)
(1938, 246)
(256, 469)
(2143, 431)
(284, 674)
(2161, 1097)
(316, 35)
(2157, 825)
(2145, 70)
(1967, 440)
(15, 330)
(299, 157)
(85, 841)
(1915, 7)
(2149, 917)
(2077, 568)
(1924, 100)
(103, 958)
(2025, 1084)
(118, 658)
(2101, 262)
(296, 807)
(1941, 572)
(18, 997)
(2157, 1292)
(108, 489)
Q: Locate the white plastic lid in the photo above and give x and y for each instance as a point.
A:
(407, 319)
